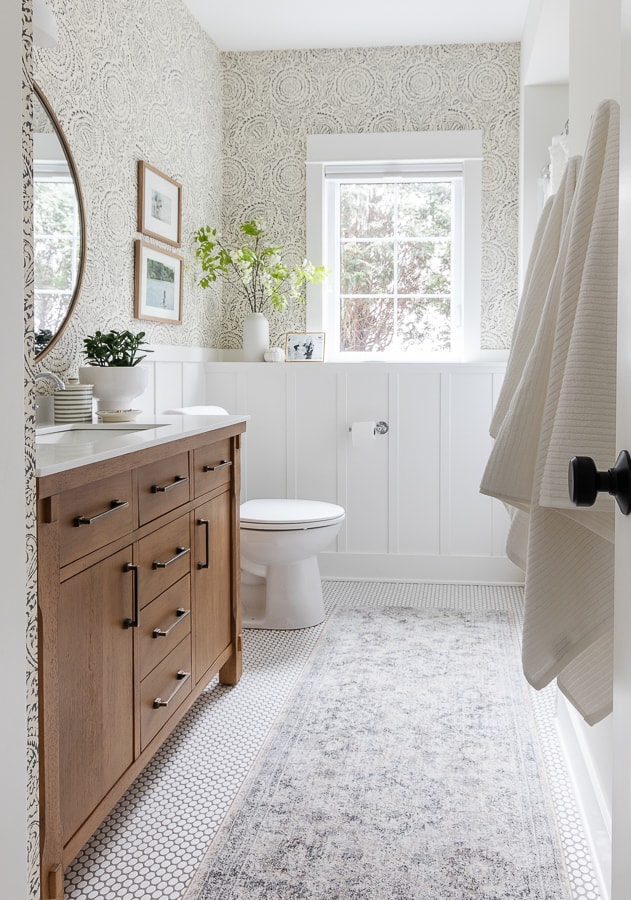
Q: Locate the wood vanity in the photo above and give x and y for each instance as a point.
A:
(138, 594)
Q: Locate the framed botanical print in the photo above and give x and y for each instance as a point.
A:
(159, 205)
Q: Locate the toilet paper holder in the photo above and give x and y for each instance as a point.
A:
(381, 427)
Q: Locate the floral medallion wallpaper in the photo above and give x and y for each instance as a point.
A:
(141, 80)
(273, 100)
(135, 80)
(32, 752)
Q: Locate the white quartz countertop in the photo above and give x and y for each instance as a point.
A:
(61, 447)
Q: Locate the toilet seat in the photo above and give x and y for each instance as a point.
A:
(289, 514)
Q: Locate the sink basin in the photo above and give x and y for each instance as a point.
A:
(84, 433)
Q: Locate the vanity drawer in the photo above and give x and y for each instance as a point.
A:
(164, 690)
(212, 466)
(163, 557)
(162, 486)
(93, 515)
(163, 624)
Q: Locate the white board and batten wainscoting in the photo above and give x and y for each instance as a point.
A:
(414, 511)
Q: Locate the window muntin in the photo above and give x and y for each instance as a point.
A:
(394, 253)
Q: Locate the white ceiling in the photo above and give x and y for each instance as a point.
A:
(301, 24)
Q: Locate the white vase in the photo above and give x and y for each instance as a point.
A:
(255, 337)
(115, 387)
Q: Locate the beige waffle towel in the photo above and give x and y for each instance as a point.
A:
(563, 404)
(516, 423)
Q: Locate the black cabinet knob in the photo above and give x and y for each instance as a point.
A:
(585, 482)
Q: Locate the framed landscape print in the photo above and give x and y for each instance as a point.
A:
(159, 205)
(158, 284)
(304, 346)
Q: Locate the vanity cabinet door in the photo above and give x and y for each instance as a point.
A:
(96, 701)
(212, 584)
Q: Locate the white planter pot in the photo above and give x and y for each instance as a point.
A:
(115, 387)
(255, 337)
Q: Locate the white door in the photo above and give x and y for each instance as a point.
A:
(621, 815)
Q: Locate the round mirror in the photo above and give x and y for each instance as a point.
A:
(58, 227)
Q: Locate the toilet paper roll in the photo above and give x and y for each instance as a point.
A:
(362, 434)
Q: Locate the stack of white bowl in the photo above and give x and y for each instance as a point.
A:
(74, 404)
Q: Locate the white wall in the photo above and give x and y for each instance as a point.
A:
(544, 112)
(545, 67)
(13, 743)
(412, 498)
(594, 63)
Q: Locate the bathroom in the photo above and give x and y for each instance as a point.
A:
(437, 415)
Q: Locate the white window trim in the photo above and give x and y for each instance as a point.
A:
(405, 148)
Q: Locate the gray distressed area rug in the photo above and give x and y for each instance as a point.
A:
(405, 765)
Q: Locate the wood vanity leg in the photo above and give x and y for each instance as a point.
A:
(56, 884)
(231, 671)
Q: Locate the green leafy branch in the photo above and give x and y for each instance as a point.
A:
(255, 271)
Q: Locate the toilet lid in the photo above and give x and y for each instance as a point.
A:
(288, 514)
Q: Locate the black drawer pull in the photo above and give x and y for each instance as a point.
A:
(206, 524)
(163, 488)
(114, 505)
(179, 553)
(182, 677)
(133, 623)
(221, 465)
(181, 615)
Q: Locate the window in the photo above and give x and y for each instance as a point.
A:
(394, 251)
(393, 232)
(57, 242)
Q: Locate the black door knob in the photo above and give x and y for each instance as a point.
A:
(585, 481)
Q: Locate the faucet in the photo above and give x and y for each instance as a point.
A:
(50, 376)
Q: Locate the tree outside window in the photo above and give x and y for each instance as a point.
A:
(395, 266)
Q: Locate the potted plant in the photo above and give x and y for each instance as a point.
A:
(112, 359)
(256, 272)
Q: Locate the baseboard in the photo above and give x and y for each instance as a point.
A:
(402, 567)
(594, 813)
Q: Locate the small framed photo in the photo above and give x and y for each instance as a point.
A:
(304, 346)
(159, 205)
(159, 278)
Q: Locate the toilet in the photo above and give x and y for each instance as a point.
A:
(280, 541)
(280, 576)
